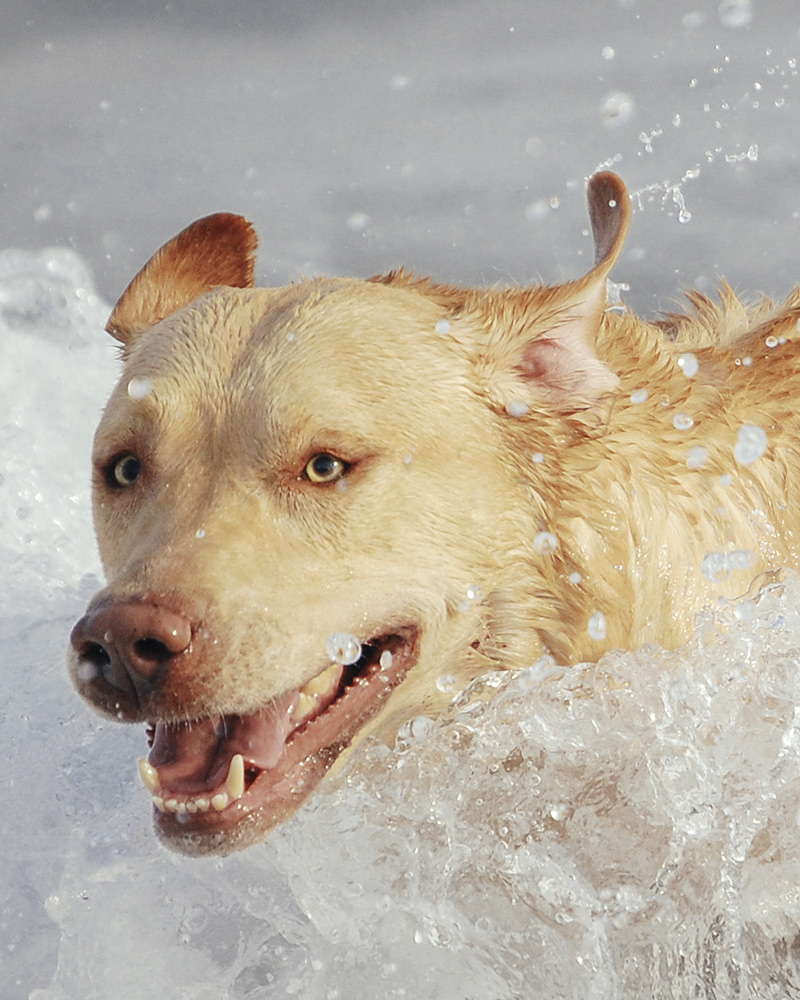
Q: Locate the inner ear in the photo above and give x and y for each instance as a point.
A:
(216, 250)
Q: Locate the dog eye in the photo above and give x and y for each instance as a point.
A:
(124, 471)
(325, 468)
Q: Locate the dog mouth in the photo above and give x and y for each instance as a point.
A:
(211, 775)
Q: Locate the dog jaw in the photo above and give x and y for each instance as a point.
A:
(221, 783)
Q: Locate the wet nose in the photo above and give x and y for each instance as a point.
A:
(127, 646)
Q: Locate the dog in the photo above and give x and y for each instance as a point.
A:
(314, 502)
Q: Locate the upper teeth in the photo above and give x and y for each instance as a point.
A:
(309, 696)
(232, 789)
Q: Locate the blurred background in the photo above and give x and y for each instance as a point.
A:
(453, 136)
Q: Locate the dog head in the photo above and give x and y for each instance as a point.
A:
(311, 502)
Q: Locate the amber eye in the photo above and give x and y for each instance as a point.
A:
(325, 468)
(124, 471)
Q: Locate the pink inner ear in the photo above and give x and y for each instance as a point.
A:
(544, 362)
(565, 372)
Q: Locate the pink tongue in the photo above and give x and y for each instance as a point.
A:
(195, 756)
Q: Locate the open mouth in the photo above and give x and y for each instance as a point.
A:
(212, 775)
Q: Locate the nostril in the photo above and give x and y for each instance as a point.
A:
(151, 650)
(95, 655)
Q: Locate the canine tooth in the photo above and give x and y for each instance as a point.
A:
(158, 802)
(322, 682)
(234, 783)
(220, 801)
(149, 775)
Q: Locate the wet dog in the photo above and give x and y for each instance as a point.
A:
(312, 502)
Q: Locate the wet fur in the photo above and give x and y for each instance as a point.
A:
(442, 430)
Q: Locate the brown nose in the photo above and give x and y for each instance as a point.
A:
(126, 647)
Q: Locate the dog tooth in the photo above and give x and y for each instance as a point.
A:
(323, 682)
(234, 783)
(203, 804)
(191, 806)
(306, 703)
(171, 805)
(220, 801)
(158, 802)
(149, 775)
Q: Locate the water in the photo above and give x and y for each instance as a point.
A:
(625, 830)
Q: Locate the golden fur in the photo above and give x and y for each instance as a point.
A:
(500, 488)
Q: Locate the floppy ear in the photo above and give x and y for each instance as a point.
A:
(548, 335)
(217, 250)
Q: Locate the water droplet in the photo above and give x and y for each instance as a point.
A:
(139, 387)
(538, 457)
(682, 422)
(639, 395)
(575, 578)
(735, 13)
(617, 108)
(200, 533)
(342, 647)
(697, 457)
(517, 408)
(684, 216)
(443, 326)
(689, 364)
(751, 444)
(771, 341)
(357, 221)
(545, 543)
(386, 659)
(715, 568)
(607, 52)
(446, 683)
(597, 626)
(474, 592)
(559, 811)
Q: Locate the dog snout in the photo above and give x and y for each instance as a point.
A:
(123, 650)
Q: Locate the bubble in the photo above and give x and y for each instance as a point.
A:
(771, 341)
(538, 457)
(639, 395)
(517, 408)
(200, 533)
(607, 52)
(545, 543)
(697, 457)
(559, 811)
(735, 13)
(682, 422)
(342, 647)
(689, 364)
(139, 387)
(597, 626)
(751, 444)
(617, 108)
(474, 592)
(386, 659)
(443, 326)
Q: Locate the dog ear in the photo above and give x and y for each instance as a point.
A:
(217, 250)
(548, 335)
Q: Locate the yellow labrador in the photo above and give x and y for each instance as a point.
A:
(312, 502)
